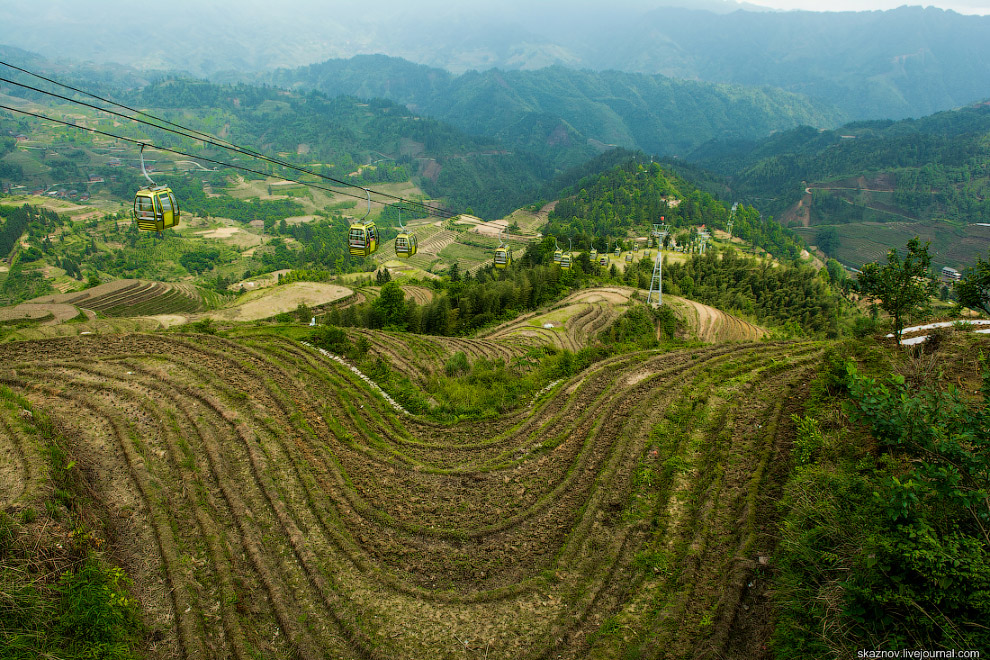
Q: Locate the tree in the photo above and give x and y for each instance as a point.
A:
(903, 287)
(828, 240)
(391, 304)
(973, 290)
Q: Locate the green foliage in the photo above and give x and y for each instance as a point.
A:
(304, 314)
(637, 327)
(925, 574)
(974, 288)
(785, 295)
(205, 326)
(634, 194)
(904, 288)
(932, 171)
(808, 440)
(95, 612)
(457, 364)
(389, 308)
(463, 305)
(331, 338)
(200, 260)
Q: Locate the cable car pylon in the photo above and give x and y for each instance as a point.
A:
(660, 232)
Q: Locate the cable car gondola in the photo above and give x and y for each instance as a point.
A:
(565, 259)
(362, 237)
(405, 243)
(503, 254)
(155, 207)
(558, 254)
(594, 255)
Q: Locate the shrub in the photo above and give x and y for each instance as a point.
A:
(331, 338)
(457, 365)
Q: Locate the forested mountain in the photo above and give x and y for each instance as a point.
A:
(904, 62)
(366, 143)
(872, 182)
(634, 194)
(909, 61)
(566, 112)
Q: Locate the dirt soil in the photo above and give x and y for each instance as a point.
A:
(275, 300)
(267, 503)
(59, 313)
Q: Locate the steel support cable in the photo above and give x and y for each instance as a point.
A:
(211, 140)
(136, 141)
(116, 103)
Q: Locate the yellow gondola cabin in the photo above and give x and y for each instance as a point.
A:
(155, 209)
(406, 245)
(362, 239)
(503, 257)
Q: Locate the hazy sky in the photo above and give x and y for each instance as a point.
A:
(960, 6)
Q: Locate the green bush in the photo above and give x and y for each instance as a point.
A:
(94, 611)
(457, 365)
(331, 338)
(924, 576)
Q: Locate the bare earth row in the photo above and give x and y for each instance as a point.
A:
(269, 503)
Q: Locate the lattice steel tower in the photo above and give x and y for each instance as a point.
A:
(660, 232)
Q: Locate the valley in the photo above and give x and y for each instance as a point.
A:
(681, 358)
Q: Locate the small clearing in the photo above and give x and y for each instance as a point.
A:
(58, 313)
(276, 300)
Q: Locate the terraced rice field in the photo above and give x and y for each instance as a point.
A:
(133, 298)
(710, 324)
(574, 320)
(268, 504)
(419, 356)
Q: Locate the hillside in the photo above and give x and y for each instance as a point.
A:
(905, 62)
(260, 435)
(405, 538)
(353, 141)
(571, 113)
(861, 189)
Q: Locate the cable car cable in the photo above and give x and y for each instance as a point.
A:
(207, 138)
(111, 102)
(135, 141)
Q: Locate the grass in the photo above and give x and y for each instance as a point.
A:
(82, 608)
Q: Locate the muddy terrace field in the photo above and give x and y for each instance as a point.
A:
(268, 504)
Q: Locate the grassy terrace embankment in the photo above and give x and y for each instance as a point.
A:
(266, 502)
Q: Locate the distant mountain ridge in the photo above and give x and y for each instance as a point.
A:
(573, 112)
(905, 62)
(868, 186)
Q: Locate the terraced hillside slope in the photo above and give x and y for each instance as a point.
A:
(268, 504)
(710, 324)
(132, 298)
